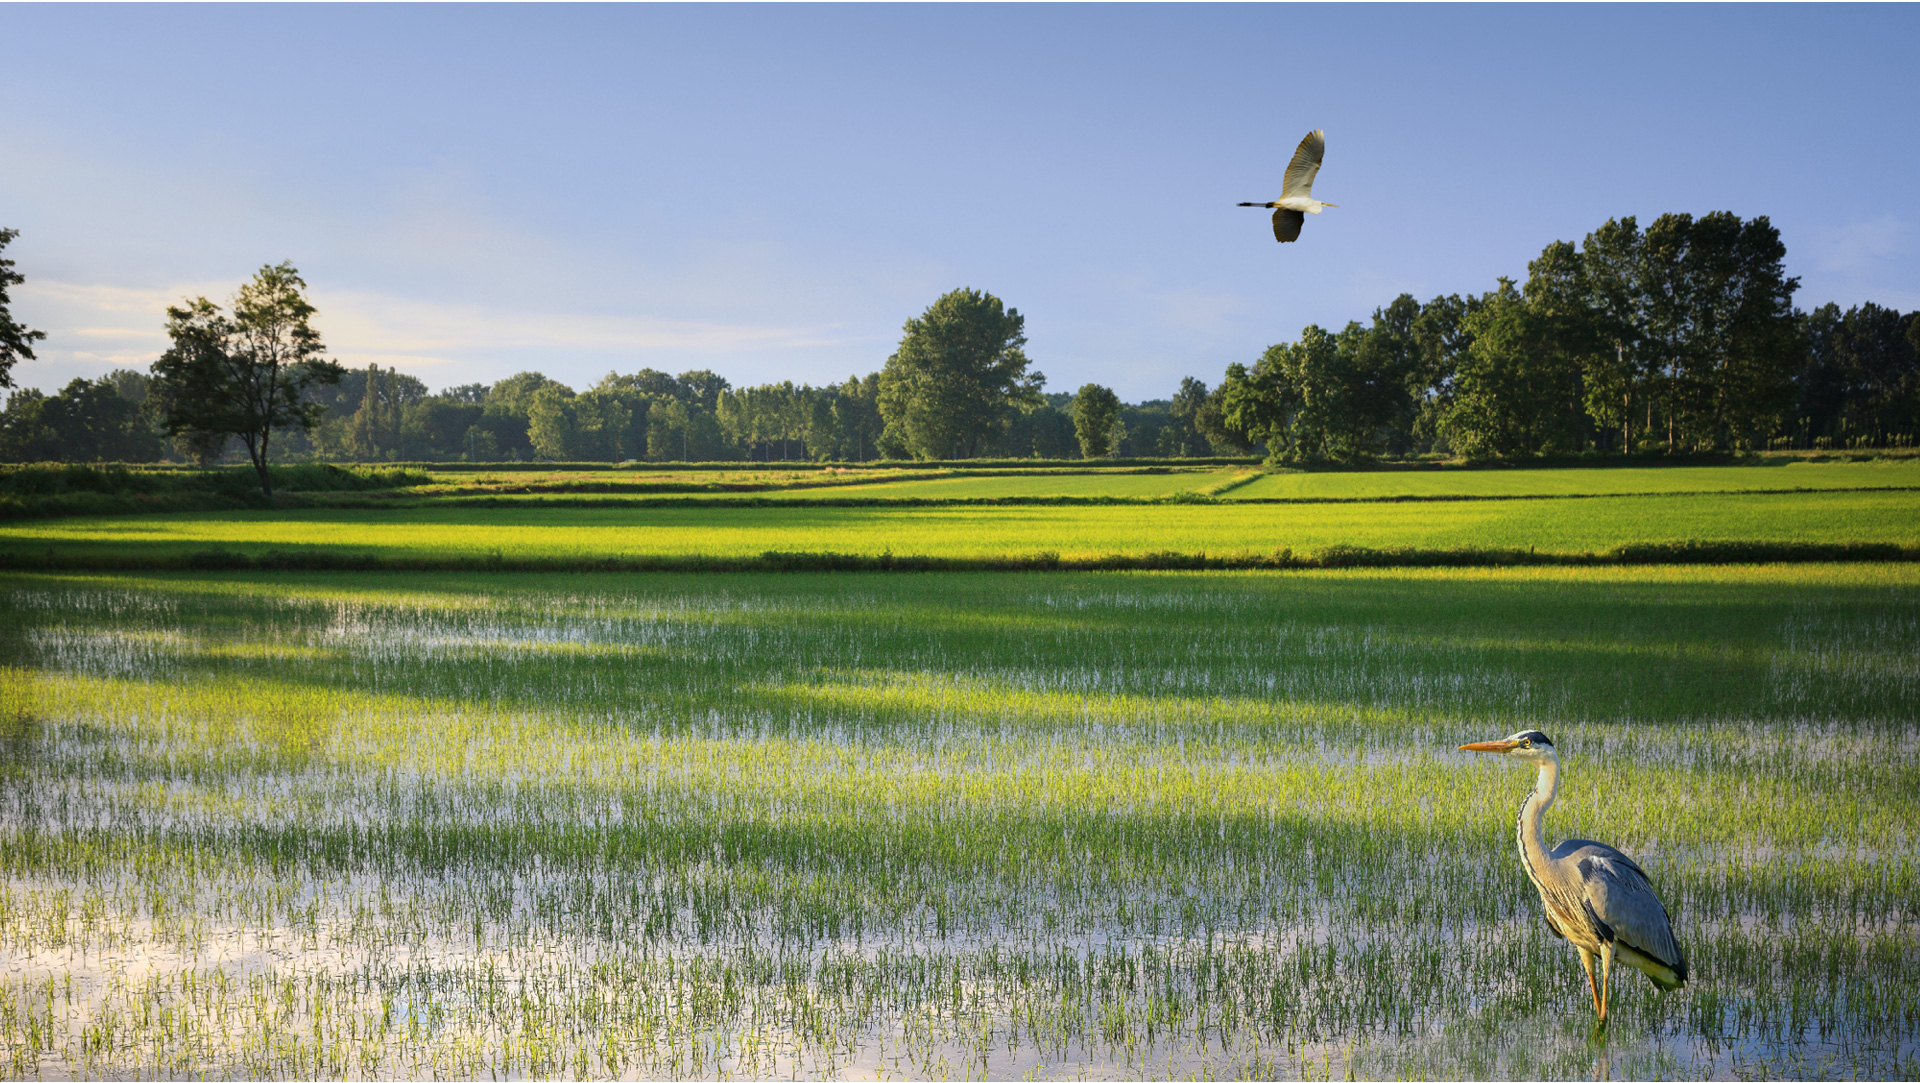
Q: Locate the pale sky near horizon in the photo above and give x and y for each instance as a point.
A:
(770, 192)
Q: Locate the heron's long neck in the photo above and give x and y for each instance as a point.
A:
(1531, 829)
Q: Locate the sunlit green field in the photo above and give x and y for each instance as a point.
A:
(1032, 485)
(813, 486)
(946, 825)
(561, 534)
(640, 484)
(1589, 480)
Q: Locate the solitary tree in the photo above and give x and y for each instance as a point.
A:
(244, 374)
(16, 341)
(1095, 409)
(958, 368)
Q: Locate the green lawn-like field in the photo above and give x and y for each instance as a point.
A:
(1784, 475)
(559, 534)
(816, 486)
(1017, 825)
(1009, 484)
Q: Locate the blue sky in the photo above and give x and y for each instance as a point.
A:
(771, 192)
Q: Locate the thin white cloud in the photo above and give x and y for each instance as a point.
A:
(1209, 313)
(93, 328)
(1860, 247)
(359, 322)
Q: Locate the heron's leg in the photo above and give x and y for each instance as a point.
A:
(1586, 964)
(1606, 976)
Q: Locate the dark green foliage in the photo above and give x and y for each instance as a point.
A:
(1036, 431)
(16, 340)
(87, 421)
(1095, 410)
(1517, 391)
(1717, 324)
(1325, 398)
(947, 389)
(1860, 381)
(246, 374)
(1184, 434)
(48, 490)
(1679, 339)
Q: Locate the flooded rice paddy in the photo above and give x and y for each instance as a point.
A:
(1021, 825)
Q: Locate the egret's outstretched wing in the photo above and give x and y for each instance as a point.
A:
(1305, 166)
(1619, 897)
(1286, 224)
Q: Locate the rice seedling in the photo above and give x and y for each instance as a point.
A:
(984, 825)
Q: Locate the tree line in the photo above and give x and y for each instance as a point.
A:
(1679, 337)
(252, 376)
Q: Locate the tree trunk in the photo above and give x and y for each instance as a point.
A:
(258, 453)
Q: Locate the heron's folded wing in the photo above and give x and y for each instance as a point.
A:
(1619, 895)
(1305, 165)
(1286, 224)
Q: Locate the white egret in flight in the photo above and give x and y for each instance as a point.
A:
(1296, 192)
(1597, 899)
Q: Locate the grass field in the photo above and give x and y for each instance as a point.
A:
(1239, 482)
(955, 825)
(1032, 485)
(1786, 474)
(562, 535)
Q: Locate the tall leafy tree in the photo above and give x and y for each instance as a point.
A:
(16, 340)
(86, 421)
(1718, 319)
(1513, 389)
(1328, 396)
(1875, 370)
(1441, 338)
(24, 434)
(593, 426)
(245, 373)
(958, 369)
(1390, 378)
(1559, 302)
(91, 421)
(1618, 375)
(1183, 436)
(856, 419)
(1095, 409)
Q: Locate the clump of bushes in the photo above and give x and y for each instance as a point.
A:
(46, 489)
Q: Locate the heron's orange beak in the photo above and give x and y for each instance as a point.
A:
(1490, 746)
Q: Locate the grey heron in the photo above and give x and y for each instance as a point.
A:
(1296, 189)
(1597, 898)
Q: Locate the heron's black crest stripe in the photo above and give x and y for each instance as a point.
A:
(1537, 738)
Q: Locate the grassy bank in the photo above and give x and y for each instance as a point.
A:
(39, 490)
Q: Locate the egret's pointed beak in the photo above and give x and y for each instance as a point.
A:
(1329, 204)
(1490, 746)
